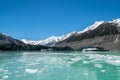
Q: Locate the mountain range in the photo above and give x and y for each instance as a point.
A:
(51, 41)
(105, 34)
(101, 34)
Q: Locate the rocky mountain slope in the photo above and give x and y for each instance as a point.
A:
(5, 39)
(100, 34)
(9, 43)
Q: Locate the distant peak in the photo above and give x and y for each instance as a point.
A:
(92, 27)
(54, 39)
(24, 40)
(97, 23)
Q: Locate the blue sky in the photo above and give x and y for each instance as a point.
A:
(39, 19)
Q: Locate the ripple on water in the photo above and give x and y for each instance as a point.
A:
(65, 66)
(1, 69)
(32, 64)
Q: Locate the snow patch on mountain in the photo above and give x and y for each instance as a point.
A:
(3, 34)
(116, 21)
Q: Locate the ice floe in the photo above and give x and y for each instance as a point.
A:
(5, 77)
(98, 65)
(31, 71)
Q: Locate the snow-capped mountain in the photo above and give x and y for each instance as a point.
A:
(99, 28)
(97, 23)
(117, 21)
(51, 41)
(102, 34)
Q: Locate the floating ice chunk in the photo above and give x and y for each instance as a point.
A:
(31, 71)
(6, 71)
(86, 62)
(98, 65)
(113, 62)
(86, 73)
(103, 70)
(75, 59)
(5, 77)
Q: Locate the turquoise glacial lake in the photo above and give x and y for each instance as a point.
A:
(60, 66)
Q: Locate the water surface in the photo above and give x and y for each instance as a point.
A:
(59, 66)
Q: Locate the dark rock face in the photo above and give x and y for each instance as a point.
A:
(101, 30)
(9, 43)
(4, 39)
(106, 35)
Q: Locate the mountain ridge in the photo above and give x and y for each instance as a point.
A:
(106, 35)
(51, 41)
(56, 40)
